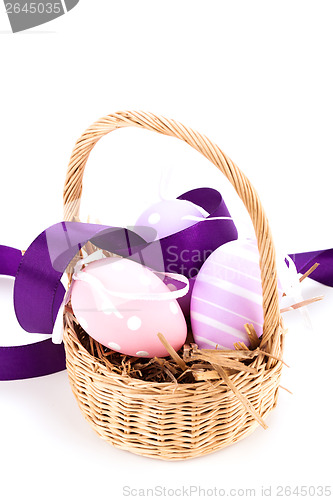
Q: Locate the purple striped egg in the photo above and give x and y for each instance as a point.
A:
(227, 294)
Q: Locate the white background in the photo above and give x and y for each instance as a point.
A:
(257, 78)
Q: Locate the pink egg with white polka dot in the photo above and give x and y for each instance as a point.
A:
(124, 305)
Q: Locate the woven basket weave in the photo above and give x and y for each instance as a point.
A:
(166, 420)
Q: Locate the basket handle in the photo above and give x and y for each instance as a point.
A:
(73, 190)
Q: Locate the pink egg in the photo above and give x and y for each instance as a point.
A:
(227, 294)
(167, 217)
(106, 302)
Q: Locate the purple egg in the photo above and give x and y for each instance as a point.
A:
(167, 217)
(227, 294)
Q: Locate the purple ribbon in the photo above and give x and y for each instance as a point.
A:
(32, 360)
(38, 291)
(324, 272)
(10, 260)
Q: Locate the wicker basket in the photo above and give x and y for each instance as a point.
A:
(166, 420)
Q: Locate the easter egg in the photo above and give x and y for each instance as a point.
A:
(124, 305)
(167, 217)
(227, 294)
